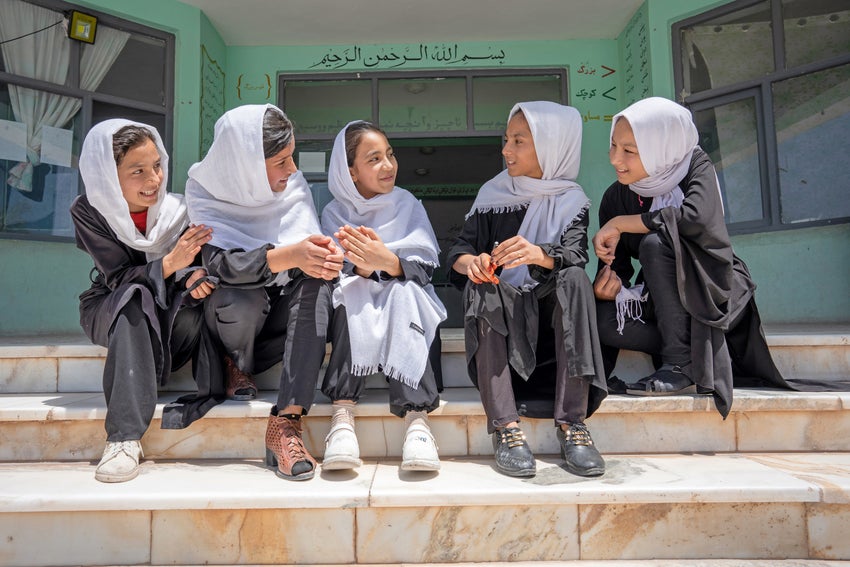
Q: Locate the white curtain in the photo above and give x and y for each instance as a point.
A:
(46, 55)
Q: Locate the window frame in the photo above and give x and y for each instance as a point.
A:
(89, 98)
(762, 88)
(467, 74)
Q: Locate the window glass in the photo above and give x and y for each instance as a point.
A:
(493, 97)
(44, 55)
(812, 115)
(126, 65)
(712, 50)
(416, 105)
(38, 160)
(324, 107)
(729, 134)
(815, 30)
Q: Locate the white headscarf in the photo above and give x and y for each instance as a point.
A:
(391, 324)
(398, 217)
(666, 137)
(229, 190)
(166, 218)
(553, 201)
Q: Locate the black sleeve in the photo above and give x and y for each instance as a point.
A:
(468, 242)
(117, 263)
(612, 205)
(570, 251)
(237, 267)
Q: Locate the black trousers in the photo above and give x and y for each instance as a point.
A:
(558, 321)
(341, 384)
(666, 330)
(260, 327)
(133, 353)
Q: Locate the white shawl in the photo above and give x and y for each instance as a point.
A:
(666, 137)
(229, 190)
(555, 200)
(166, 218)
(391, 323)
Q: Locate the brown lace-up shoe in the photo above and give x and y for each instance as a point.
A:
(240, 385)
(285, 450)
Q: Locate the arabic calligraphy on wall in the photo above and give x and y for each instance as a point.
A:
(636, 57)
(257, 87)
(381, 57)
(212, 98)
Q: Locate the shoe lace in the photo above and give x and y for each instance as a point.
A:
(113, 448)
(292, 441)
(513, 438)
(577, 434)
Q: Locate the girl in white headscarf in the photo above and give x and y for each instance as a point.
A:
(386, 311)
(143, 303)
(527, 300)
(274, 266)
(692, 304)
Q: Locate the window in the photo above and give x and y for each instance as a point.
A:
(768, 83)
(52, 90)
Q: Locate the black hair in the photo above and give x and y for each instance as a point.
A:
(277, 132)
(353, 134)
(128, 138)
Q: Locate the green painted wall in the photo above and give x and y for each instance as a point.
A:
(41, 281)
(40, 291)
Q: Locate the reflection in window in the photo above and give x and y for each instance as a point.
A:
(493, 97)
(812, 116)
(38, 160)
(44, 55)
(712, 50)
(137, 71)
(729, 134)
(815, 30)
(415, 105)
(324, 107)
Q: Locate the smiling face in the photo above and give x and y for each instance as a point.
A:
(280, 166)
(519, 152)
(374, 167)
(624, 154)
(140, 176)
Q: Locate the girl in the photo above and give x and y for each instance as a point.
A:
(137, 306)
(695, 295)
(274, 298)
(527, 299)
(386, 312)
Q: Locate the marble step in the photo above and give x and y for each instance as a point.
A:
(69, 426)
(754, 506)
(71, 364)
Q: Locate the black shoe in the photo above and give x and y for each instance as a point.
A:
(513, 456)
(578, 451)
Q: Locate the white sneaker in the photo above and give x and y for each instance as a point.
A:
(120, 461)
(419, 452)
(341, 449)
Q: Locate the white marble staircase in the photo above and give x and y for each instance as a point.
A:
(770, 483)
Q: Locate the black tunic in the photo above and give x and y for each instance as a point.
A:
(715, 287)
(531, 340)
(120, 271)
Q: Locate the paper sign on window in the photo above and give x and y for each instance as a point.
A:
(13, 140)
(56, 146)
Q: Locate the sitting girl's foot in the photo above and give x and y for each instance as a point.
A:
(669, 380)
(513, 455)
(341, 448)
(419, 452)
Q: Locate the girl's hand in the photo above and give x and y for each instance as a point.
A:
(365, 249)
(204, 289)
(517, 251)
(605, 242)
(607, 284)
(482, 270)
(187, 247)
(318, 257)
